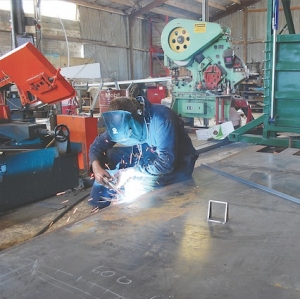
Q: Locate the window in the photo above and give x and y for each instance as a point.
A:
(61, 9)
(49, 8)
(27, 5)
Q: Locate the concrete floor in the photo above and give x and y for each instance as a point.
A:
(24, 223)
(162, 246)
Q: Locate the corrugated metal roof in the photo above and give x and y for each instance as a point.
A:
(191, 9)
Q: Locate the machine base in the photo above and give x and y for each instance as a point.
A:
(32, 175)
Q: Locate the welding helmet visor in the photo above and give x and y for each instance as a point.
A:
(123, 128)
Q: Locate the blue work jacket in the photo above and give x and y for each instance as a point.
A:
(167, 141)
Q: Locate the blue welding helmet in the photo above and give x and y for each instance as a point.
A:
(123, 128)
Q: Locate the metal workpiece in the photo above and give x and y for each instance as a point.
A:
(221, 217)
(162, 246)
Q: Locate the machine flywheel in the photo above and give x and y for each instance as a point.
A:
(179, 39)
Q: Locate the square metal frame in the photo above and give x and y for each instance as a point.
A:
(209, 212)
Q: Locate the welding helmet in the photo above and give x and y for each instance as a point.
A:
(123, 128)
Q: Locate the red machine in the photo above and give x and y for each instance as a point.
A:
(156, 93)
(35, 77)
(212, 77)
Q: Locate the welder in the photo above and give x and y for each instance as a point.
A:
(142, 142)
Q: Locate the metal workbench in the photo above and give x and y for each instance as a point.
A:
(162, 246)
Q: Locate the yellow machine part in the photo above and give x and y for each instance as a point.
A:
(179, 39)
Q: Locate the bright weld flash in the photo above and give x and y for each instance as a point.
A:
(132, 190)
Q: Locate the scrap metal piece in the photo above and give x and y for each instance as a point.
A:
(209, 212)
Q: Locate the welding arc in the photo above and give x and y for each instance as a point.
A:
(113, 186)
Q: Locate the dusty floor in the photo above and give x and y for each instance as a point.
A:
(27, 222)
(162, 246)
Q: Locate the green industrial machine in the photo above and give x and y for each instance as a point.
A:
(279, 124)
(213, 69)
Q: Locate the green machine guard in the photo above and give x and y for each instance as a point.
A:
(204, 50)
(279, 125)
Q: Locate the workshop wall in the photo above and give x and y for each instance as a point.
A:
(58, 37)
(53, 44)
(157, 59)
(98, 37)
(5, 34)
(111, 32)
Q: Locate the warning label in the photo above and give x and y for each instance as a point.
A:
(200, 28)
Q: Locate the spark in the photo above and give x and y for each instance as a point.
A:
(51, 224)
(90, 199)
(60, 193)
(68, 219)
(107, 166)
(65, 201)
(95, 209)
(75, 210)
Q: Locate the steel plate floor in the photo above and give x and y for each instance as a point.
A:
(162, 246)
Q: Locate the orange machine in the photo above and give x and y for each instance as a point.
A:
(35, 163)
(83, 130)
(36, 78)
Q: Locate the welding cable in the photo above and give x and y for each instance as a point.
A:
(43, 230)
(67, 43)
(252, 184)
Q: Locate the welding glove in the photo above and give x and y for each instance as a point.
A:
(100, 174)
